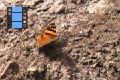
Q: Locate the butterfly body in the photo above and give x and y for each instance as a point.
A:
(48, 36)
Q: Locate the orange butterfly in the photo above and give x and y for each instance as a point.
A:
(48, 36)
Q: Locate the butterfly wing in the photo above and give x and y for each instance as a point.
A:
(48, 36)
(42, 41)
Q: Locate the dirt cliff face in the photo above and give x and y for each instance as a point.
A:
(87, 46)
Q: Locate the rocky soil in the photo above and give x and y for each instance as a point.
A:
(88, 45)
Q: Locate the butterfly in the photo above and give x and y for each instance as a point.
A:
(48, 36)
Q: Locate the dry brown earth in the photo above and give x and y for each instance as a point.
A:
(88, 45)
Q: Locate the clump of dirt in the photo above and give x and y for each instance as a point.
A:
(88, 45)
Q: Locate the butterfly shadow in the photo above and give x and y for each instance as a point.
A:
(55, 53)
